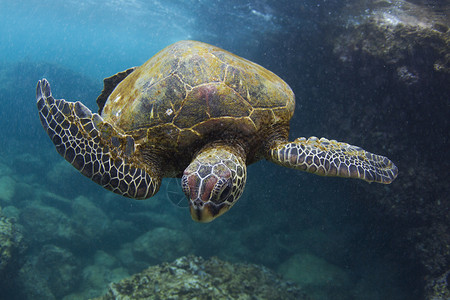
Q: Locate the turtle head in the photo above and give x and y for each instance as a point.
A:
(214, 181)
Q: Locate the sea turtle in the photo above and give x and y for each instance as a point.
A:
(197, 112)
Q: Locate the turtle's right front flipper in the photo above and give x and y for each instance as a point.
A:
(93, 146)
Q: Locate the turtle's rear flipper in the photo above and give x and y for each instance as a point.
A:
(332, 158)
(109, 84)
(93, 146)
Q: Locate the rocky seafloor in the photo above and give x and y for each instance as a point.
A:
(382, 75)
(196, 278)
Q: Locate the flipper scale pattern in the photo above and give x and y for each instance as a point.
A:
(78, 136)
(331, 158)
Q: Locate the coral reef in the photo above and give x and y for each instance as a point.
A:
(196, 278)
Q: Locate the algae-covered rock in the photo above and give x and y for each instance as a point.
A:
(60, 267)
(96, 277)
(196, 278)
(44, 223)
(11, 212)
(7, 188)
(50, 274)
(11, 243)
(161, 245)
(58, 174)
(154, 247)
(78, 223)
(438, 288)
(315, 275)
(5, 170)
(399, 33)
(89, 221)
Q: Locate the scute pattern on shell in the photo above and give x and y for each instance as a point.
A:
(190, 88)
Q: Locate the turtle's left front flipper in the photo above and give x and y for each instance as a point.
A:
(331, 158)
(93, 147)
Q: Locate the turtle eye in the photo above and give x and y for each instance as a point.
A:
(226, 191)
(221, 191)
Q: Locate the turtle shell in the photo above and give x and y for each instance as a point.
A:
(191, 93)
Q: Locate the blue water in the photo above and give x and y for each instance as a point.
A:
(98, 38)
(282, 214)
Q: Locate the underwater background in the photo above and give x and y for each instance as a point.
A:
(371, 73)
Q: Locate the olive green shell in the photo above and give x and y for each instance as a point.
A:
(192, 93)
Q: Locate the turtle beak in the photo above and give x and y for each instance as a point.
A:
(213, 182)
(206, 212)
(198, 191)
